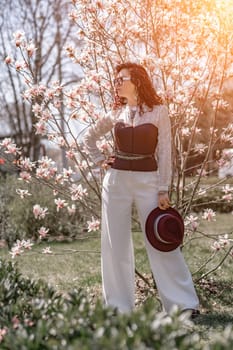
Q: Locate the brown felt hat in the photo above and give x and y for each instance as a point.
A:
(165, 229)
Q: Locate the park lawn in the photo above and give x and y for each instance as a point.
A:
(77, 265)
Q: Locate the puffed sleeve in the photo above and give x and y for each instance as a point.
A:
(164, 149)
(93, 134)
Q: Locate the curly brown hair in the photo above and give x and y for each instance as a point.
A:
(145, 89)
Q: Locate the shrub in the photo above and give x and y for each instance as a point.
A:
(16, 216)
(35, 317)
(212, 199)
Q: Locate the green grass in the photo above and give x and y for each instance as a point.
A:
(77, 264)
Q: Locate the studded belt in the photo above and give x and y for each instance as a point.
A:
(132, 156)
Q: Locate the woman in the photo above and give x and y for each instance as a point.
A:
(140, 173)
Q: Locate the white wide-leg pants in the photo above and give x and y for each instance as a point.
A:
(174, 282)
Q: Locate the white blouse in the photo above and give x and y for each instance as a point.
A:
(158, 117)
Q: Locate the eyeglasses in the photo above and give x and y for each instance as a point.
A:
(119, 81)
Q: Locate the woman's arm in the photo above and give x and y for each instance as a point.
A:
(102, 127)
(164, 149)
(164, 157)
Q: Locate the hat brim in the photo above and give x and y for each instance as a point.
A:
(149, 228)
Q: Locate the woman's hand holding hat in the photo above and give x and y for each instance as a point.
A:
(163, 200)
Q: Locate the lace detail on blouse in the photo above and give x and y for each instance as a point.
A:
(158, 116)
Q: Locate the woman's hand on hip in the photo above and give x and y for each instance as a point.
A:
(163, 200)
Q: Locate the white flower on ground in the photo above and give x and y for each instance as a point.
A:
(93, 225)
(47, 250)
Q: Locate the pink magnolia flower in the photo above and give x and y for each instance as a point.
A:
(45, 115)
(36, 108)
(72, 209)
(19, 247)
(27, 244)
(73, 15)
(70, 154)
(46, 162)
(42, 173)
(200, 148)
(25, 176)
(185, 131)
(5, 142)
(82, 165)
(93, 225)
(39, 212)
(67, 173)
(28, 322)
(61, 141)
(19, 37)
(19, 34)
(40, 128)
(19, 65)
(30, 49)
(202, 172)
(8, 60)
(191, 221)
(15, 251)
(43, 232)
(216, 246)
(228, 197)
(209, 215)
(26, 164)
(3, 332)
(224, 240)
(227, 188)
(60, 203)
(15, 321)
(59, 179)
(11, 148)
(77, 192)
(104, 146)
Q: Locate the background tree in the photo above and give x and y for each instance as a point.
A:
(187, 49)
(47, 34)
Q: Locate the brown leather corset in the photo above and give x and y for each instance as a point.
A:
(135, 147)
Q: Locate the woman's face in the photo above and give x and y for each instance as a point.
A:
(124, 86)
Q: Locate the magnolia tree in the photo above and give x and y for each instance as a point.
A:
(187, 49)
